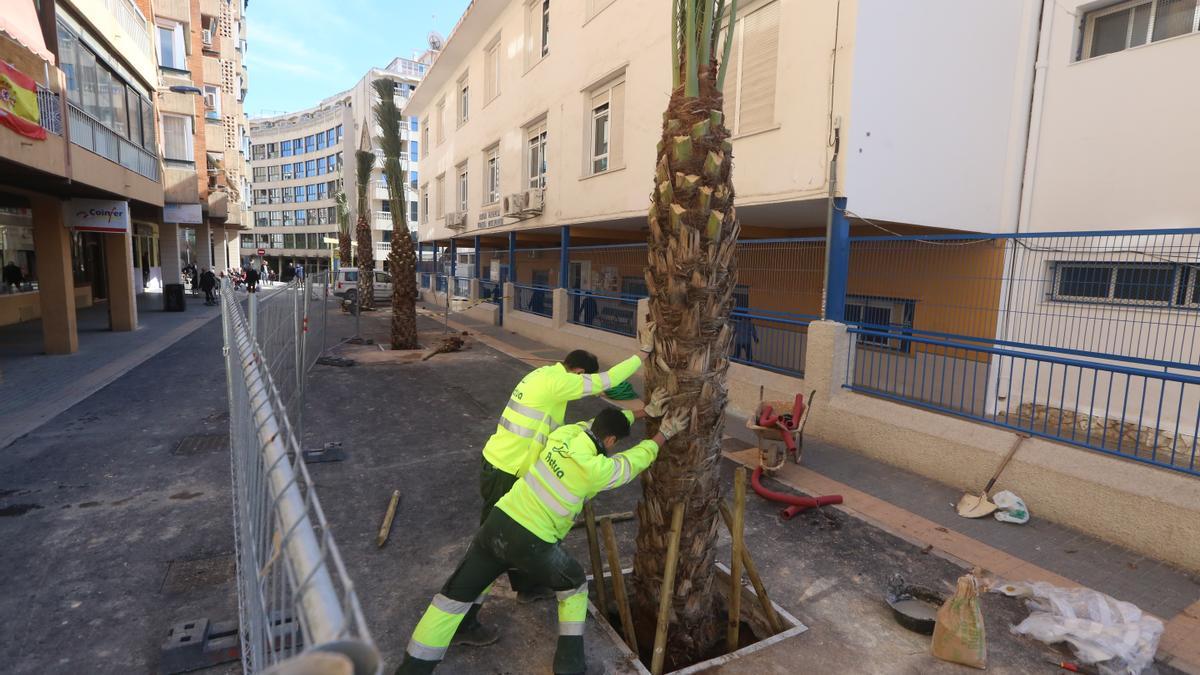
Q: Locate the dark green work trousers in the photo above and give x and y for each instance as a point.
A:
(503, 544)
(494, 483)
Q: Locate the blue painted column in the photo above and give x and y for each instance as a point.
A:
(478, 260)
(512, 257)
(420, 256)
(838, 242)
(453, 259)
(564, 256)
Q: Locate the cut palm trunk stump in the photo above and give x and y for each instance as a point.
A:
(449, 343)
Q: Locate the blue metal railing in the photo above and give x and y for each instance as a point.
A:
(616, 313)
(426, 279)
(534, 299)
(775, 341)
(462, 287)
(1147, 415)
(440, 280)
(490, 291)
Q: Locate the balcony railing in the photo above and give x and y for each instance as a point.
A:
(383, 246)
(133, 22)
(87, 132)
(49, 110)
(383, 220)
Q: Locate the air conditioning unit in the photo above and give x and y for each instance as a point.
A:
(206, 36)
(456, 220)
(514, 204)
(534, 201)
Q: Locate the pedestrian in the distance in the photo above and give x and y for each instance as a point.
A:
(13, 277)
(252, 280)
(299, 272)
(208, 281)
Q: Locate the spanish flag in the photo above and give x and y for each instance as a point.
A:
(18, 103)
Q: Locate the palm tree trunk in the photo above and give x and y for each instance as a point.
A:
(402, 262)
(366, 264)
(691, 273)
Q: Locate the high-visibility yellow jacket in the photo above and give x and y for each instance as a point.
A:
(537, 406)
(567, 473)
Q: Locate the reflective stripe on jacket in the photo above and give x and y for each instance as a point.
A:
(536, 409)
(567, 473)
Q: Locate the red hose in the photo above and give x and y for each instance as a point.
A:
(796, 503)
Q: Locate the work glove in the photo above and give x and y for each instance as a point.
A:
(673, 424)
(658, 403)
(646, 337)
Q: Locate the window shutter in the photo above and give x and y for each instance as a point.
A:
(732, 79)
(756, 104)
(489, 72)
(616, 127)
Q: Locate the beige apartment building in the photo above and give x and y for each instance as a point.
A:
(201, 46)
(300, 161)
(80, 173)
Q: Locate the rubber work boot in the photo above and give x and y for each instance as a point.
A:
(474, 634)
(535, 595)
(411, 666)
(568, 656)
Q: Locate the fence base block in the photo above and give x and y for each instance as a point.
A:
(331, 452)
(192, 645)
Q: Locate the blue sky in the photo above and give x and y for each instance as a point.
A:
(301, 51)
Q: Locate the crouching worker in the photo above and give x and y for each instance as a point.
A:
(525, 531)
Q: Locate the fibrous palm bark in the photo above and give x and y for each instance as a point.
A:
(362, 232)
(691, 273)
(402, 261)
(343, 213)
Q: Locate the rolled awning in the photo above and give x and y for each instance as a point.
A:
(19, 21)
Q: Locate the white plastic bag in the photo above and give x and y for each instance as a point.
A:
(1012, 508)
(1115, 635)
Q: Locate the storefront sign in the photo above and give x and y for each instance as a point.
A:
(97, 215)
(184, 214)
(488, 219)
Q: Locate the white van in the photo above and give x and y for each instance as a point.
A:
(345, 284)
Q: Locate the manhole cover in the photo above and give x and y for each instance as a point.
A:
(200, 444)
(188, 575)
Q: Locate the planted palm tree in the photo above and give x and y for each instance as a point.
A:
(365, 161)
(690, 277)
(402, 261)
(343, 214)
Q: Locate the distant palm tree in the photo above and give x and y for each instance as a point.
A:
(366, 258)
(343, 215)
(691, 273)
(402, 261)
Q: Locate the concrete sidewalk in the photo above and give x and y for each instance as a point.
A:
(921, 510)
(38, 386)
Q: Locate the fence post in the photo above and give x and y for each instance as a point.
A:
(252, 308)
(453, 261)
(564, 256)
(837, 243)
(512, 257)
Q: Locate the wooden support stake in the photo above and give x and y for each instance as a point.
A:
(733, 626)
(616, 517)
(618, 579)
(386, 528)
(752, 572)
(666, 592)
(589, 518)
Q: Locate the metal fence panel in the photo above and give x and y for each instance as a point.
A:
(293, 590)
(533, 299)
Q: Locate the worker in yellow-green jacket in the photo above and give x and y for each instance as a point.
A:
(526, 528)
(535, 409)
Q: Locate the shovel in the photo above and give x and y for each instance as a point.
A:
(972, 506)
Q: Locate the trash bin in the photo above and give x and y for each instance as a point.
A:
(173, 298)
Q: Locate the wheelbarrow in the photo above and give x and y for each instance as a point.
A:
(779, 428)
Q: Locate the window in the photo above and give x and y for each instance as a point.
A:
(321, 141)
(412, 124)
(301, 218)
(172, 50)
(274, 196)
(464, 100)
(412, 212)
(463, 194)
(753, 69)
(310, 192)
(310, 167)
(890, 315)
(298, 170)
(412, 179)
(537, 31)
(425, 137)
(178, 143)
(424, 204)
(491, 70)
(260, 173)
(272, 173)
(439, 197)
(212, 102)
(604, 128)
(289, 218)
(276, 218)
(248, 239)
(545, 27)
(321, 167)
(322, 190)
(285, 171)
(272, 150)
(1127, 283)
(339, 133)
(441, 121)
(536, 156)
(285, 149)
(1134, 23)
(310, 143)
(491, 175)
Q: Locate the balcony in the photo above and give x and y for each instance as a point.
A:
(49, 110)
(133, 22)
(383, 247)
(382, 220)
(87, 132)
